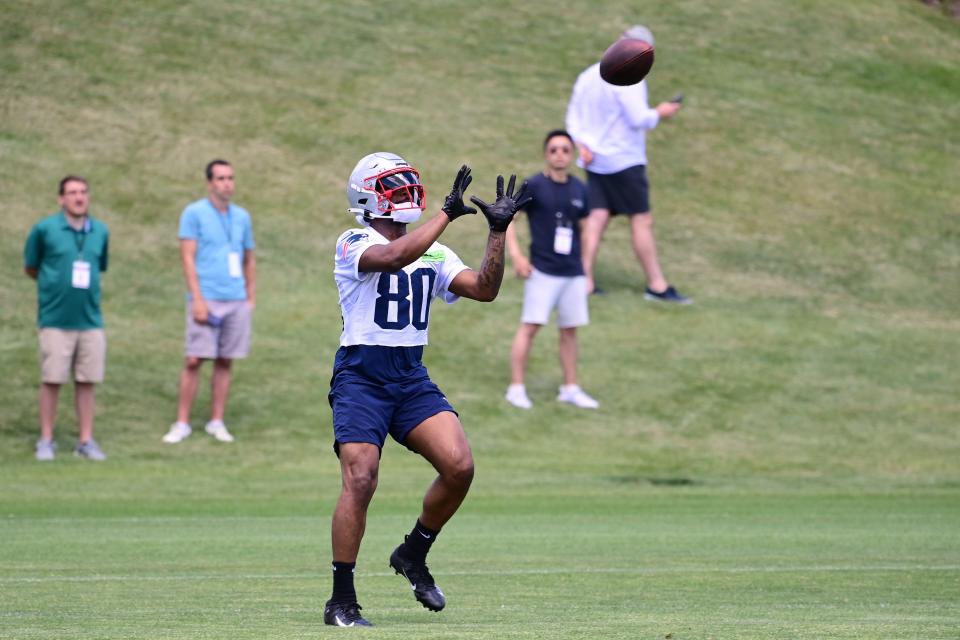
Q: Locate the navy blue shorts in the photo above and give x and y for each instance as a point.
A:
(379, 390)
(626, 191)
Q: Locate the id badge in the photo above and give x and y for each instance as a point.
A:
(81, 275)
(233, 264)
(563, 241)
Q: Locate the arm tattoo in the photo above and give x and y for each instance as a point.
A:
(491, 271)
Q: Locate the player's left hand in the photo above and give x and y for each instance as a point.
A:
(453, 205)
(500, 213)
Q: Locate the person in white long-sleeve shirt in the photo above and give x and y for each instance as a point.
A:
(609, 125)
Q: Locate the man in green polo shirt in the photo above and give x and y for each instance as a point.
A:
(65, 253)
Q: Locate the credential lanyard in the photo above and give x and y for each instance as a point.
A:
(80, 236)
(226, 221)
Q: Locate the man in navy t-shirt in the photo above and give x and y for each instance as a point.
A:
(554, 272)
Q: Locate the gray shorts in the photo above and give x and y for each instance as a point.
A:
(84, 353)
(542, 293)
(231, 340)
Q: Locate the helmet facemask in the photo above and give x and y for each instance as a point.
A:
(399, 194)
(383, 185)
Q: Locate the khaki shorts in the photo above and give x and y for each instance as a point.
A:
(83, 352)
(231, 340)
(543, 293)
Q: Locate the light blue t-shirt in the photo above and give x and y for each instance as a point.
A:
(217, 235)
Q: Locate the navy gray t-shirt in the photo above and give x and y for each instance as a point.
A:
(555, 204)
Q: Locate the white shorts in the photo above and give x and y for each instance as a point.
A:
(542, 293)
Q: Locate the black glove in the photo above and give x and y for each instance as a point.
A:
(454, 206)
(500, 213)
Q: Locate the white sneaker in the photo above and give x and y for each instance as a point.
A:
(517, 396)
(89, 450)
(218, 430)
(46, 450)
(179, 431)
(574, 395)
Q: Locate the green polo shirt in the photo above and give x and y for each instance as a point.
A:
(52, 248)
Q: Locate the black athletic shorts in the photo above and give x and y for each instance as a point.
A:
(626, 191)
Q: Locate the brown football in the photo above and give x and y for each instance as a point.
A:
(627, 61)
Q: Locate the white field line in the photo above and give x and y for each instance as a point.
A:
(505, 572)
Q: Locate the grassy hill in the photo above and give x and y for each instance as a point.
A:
(805, 197)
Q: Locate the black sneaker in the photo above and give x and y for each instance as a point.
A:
(667, 295)
(425, 590)
(344, 614)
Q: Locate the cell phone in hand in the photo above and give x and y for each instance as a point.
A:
(677, 98)
(214, 321)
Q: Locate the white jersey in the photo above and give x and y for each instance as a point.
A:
(390, 309)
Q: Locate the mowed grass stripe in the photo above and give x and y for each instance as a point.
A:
(497, 572)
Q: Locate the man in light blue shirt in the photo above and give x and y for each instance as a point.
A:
(216, 248)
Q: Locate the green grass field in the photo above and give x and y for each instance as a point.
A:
(779, 460)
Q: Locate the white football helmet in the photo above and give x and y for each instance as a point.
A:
(384, 185)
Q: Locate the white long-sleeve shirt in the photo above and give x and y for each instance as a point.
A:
(611, 121)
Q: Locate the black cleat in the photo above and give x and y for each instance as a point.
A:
(425, 590)
(344, 614)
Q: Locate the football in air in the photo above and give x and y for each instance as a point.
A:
(626, 62)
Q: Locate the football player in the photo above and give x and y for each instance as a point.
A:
(387, 278)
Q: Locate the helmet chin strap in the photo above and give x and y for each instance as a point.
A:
(406, 216)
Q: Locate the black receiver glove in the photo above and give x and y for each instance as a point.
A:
(454, 206)
(500, 213)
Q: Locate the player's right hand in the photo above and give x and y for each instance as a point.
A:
(453, 205)
(501, 212)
